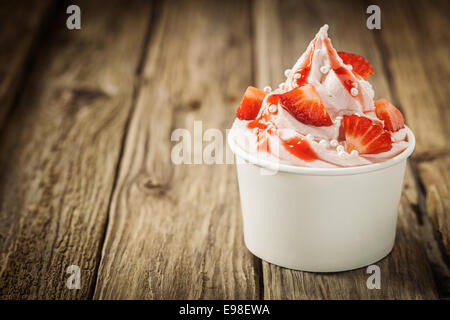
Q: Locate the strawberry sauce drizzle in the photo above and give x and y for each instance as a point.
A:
(300, 148)
(304, 71)
(261, 136)
(265, 124)
(263, 142)
(345, 76)
(273, 99)
(297, 146)
(257, 124)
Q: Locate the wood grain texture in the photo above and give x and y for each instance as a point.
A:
(433, 164)
(416, 50)
(60, 148)
(20, 23)
(85, 156)
(405, 272)
(435, 176)
(175, 230)
(421, 74)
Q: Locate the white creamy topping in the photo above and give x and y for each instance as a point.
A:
(324, 69)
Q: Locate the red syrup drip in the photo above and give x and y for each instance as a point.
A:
(304, 72)
(261, 136)
(263, 142)
(273, 99)
(345, 76)
(257, 124)
(300, 148)
(262, 123)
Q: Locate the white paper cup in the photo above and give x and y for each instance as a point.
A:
(320, 219)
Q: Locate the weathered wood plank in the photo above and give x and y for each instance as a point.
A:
(435, 176)
(427, 44)
(175, 230)
(20, 23)
(405, 272)
(433, 165)
(416, 45)
(60, 148)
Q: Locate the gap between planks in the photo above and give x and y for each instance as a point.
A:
(137, 86)
(170, 236)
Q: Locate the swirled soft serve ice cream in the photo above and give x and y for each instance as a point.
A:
(323, 115)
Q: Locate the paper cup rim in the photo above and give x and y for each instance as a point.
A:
(324, 171)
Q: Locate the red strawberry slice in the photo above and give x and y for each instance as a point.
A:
(250, 104)
(365, 135)
(360, 65)
(305, 105)
(392, 117)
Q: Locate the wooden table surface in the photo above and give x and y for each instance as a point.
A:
(86, 117)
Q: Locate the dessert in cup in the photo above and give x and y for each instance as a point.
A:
(320, 164)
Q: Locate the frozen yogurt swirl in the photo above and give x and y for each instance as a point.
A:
(290, 130)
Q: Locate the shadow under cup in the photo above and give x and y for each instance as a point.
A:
(320, 219)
